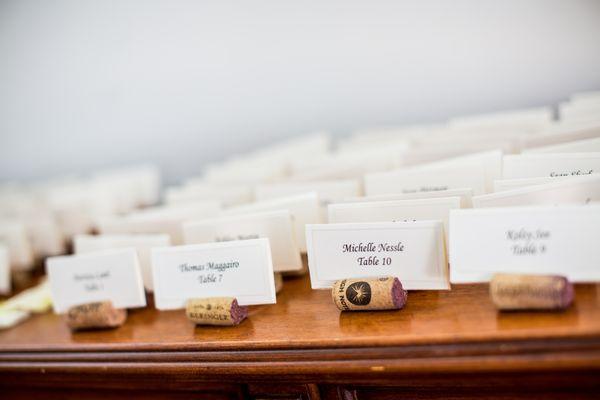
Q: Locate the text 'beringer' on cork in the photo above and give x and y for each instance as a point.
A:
(223, 311)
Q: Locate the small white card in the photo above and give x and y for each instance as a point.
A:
(574, 190)
(242, 269)
(5, 285)
(273, 225)
(110, 275)
(465, 195)
(531, 165)
(531, 240)
(501, 185)
(164, 219)
(577, 146)
(328, 191)
(394, 210)
(142, 244)
(475, 171)
(14, 235)
(412, 251)
(304, 209)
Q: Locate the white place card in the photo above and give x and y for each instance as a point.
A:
(577, 146)
(531, 165)
(501, 185)
(475, 171)
(142, 243)
(5, 285)
(394, 210)
(465, 195)
(328, 191)
(273, 225)
(110, 275)
(304, 209)
(531, 240)
(412, 251)
(164, 219)
(14, 235)
(573, 190)
(242, 269)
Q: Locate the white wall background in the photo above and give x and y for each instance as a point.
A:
(87, 84)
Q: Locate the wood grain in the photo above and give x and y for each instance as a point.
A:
(314, 351)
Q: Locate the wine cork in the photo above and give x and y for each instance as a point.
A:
(223, 311)
(95, 315)
(531, 292)
(369, 294)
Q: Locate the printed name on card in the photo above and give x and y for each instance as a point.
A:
(475, 171)
(465, 195)
(242, 269)
(394, 210)
(109, 275)
(412, 251)
(526, 240)
(532, 165)
(142, 243)
(573, 190)
(274, 225)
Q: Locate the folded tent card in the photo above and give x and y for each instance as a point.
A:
(530, 240)
(533, 165)
(142, 243)
(163, 219)
(14, 235)
(465, 195)
(112, 275)
(5, 286)
(414, 252)
(394, 210)
(242, 269)
(476, 171)
(274, 225)
(304, 209)
(572, 190)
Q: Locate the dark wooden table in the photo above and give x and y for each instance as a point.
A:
(443, 345)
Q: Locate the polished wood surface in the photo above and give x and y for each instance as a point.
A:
(306, 342)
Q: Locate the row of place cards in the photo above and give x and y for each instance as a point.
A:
(241, 269)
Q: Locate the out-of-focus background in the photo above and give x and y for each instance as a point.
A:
(94, 84)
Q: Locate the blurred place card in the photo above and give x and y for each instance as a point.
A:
(533, 165)
(573, 190)
(475, 171)
(465, 195)
(394, 210)
(304, 209)
(412, 251)
(561, 135)
(142, 243)
(531, 240)
(577, 146)
(273, 225)
(242, 269)
(110, 275)
(328, 191)
(501, 185)
(14, 235)
(4, 270)
(197, 191)
(164, 219)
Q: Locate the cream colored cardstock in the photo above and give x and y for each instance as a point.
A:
(273, 225)
(559, 240)
(109, 275)
(532, 165)
(142, 243)
(412, 251)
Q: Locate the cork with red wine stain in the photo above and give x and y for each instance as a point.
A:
(223, 311)
(97, 315)
(384, 293)
(531, 292)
